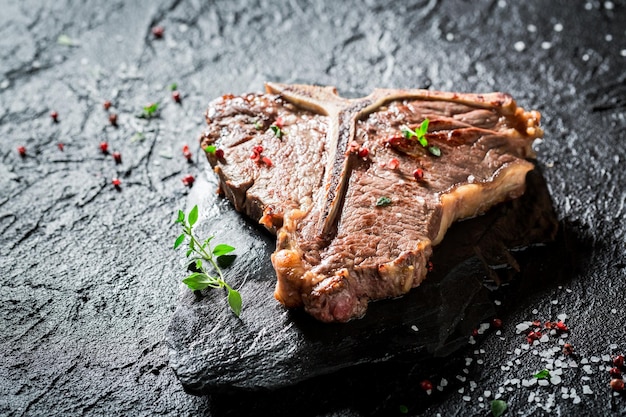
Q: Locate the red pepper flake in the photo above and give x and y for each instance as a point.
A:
(219, 153)
(158, 31)
(475, 332)
(279, 123)
(55, 116)
(561, 326)
(618, 361)
(418, 174)
(532, 336)
(21, 150)
(106, 105)
(257, 149)
(266, 161)
(537, 323)
(116, 182)
(255, 156)
(353, 147)
(430, 266)
(568, 349)
(393, 141)
(61, 146)
(364, 153)
(187, 153)
(393, 163)
(426, 385)
(104, 147)
(496, 323)
(176, 96)
(188, 180)
(117, 157)
(615, 372)
(617, 384)
(113, 119)
(549, 325)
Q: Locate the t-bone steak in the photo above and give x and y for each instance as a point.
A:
(356, 205)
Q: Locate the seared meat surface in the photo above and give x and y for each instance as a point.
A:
(311, 167)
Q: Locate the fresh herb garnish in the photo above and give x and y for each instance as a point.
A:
(201, 252)
(149, 111)
(66, 41)
(173, 86)
(420, 135)
(277, 131)
(383, 201)
(258, 125)
(498, 407)
(403, 409)
(210, 149)
(137, 137)
(543, 374)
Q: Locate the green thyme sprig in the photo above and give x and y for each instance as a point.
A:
(420, 134)
(149, 111)
(201, 253)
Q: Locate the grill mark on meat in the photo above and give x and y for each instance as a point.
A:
(335, 251)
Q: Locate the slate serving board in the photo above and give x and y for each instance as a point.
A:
(90, 283)
(270, 347)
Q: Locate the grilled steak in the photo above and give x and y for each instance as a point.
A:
(356, 202)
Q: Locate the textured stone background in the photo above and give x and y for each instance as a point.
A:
(89, 280)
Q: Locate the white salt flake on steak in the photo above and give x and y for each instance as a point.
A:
(311, 166)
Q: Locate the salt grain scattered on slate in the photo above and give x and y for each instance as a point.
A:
(519, 46)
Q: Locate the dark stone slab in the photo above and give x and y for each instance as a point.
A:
(269, 347)
(89, 282)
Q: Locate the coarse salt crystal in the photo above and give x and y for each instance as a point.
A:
(414, 328)
(497, 302)
(562, 317)
(543, 382)
(487, 394)
(547, 45)
(461, 378)
(587, 390)
(480, 361)
(531, 397)
(461, 390)
(584, 361)
(576, 400)
(594, 359)
(449, 37)
(468, 361)
(609, 5)
(555, 302)
(519, 46)
(587, 369)
(558, 27)
(473, 385)
(622, 53)
(613, 346)
(532, 28)
(606, 358)
(555, 380)
(544, 338)
(521, 327)
(444, 382)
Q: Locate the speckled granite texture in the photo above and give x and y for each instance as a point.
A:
(89, 280)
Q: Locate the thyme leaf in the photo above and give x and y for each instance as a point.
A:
(206, 271)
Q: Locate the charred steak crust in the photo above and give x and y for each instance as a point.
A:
(310, 166)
